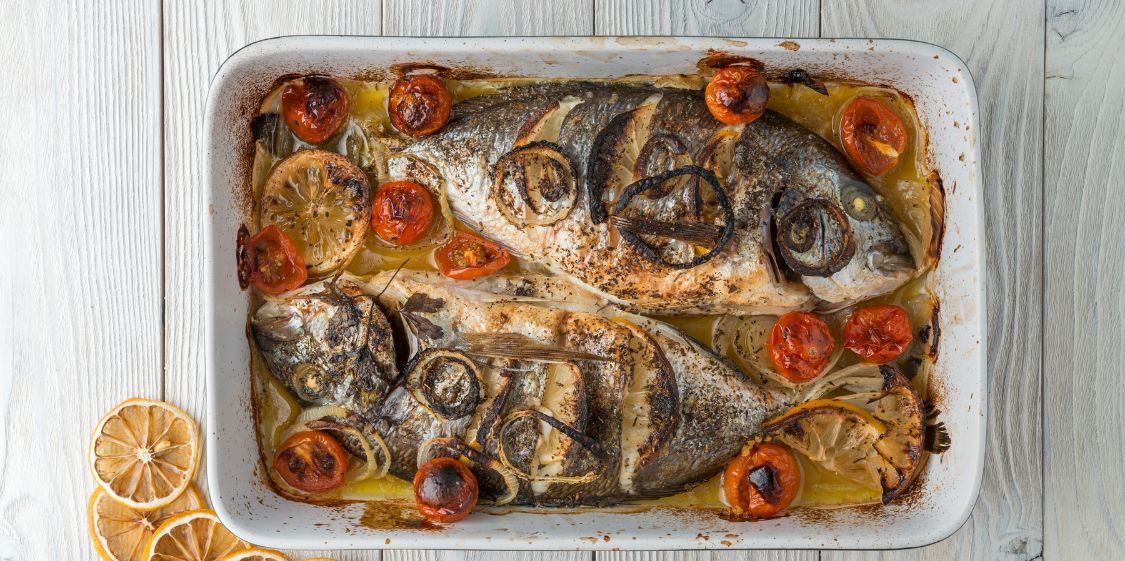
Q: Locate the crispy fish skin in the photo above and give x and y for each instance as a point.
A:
(657, 413)
(773, 159)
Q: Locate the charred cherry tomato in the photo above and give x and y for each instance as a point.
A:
(445, 490)
(763, 482)
(737, 95)
(419, 105)
(402, 212)
(271, 262)
(878, 333)
(873, 136)
(314, 107)
(800, 346)
(468, 256)
(312, 461)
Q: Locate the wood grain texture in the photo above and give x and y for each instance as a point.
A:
(1002, 42)
(198, 37)
(1085, 306)
(731, 18)
(80, 227)
(724, 18)
(487, 17)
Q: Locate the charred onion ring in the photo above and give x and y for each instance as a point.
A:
(655, 182)
(451, 397)
(805, 229)
(539, 200)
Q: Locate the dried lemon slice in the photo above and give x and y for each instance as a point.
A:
(144, 453)
(195, 535)
(120, 533)
(322, 202)
(256, 554)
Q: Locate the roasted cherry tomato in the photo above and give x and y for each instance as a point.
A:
(873, 136)
(468, 256)
(762, 482)
(314, 107)
(311, 461)
(270, 261)
(402, 212)
(737, 95)
(445, 490)
(419, 105)
(800, 346)
(878, 333)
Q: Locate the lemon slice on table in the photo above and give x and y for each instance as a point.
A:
(322, 202)
(144, 453)
(195, 535)
(120, 533)
(256, 554)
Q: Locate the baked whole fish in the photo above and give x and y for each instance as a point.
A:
(554, 397)
(639, 194)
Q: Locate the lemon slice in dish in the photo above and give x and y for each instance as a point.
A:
(144, 453)
(195, 535)
(322, 202)
(256, 554)
(120, 533)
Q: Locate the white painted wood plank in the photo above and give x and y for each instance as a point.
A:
(198, 37)
(487, 17)
(80, 227)
(1002, 42)
(732, 18)
(1084, 258)
(729, 18)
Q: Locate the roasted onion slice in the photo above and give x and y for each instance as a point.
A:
(534, 184)
(815, 238)
(660, 153)
(447, 383)
(633, 235)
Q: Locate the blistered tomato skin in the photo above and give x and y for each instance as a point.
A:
(445, 490)
(402, 212)
(873, 136)
(737, 95)
(878, 334)
(312, 461)
(314, 107)
(800, 345)
(468, 256)
(270, 261)
(419, 105)
(762, 482)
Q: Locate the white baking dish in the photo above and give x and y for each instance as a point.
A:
(943, 92)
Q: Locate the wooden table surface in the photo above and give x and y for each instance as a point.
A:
(101, 211)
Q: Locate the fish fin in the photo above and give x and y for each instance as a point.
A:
(522, 347)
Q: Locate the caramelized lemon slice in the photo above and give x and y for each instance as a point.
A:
(120, 533)
(256, 554)
(144, 453)
(322, 202)
(195, 535)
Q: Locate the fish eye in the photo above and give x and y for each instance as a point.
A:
(859, 201)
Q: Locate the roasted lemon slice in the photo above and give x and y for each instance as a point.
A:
(256, 554)
(322, 202)
(120, 533)
(144, 453)
(871, 437)
(195, 535)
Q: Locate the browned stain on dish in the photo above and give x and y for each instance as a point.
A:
(719, 59)
(395, 515)
(457, 73)
(790, 45)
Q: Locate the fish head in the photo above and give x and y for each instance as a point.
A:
(329, 343)
(838, 234)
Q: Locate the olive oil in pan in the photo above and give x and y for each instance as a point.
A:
(907, 189)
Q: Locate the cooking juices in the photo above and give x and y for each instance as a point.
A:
(909, 189)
